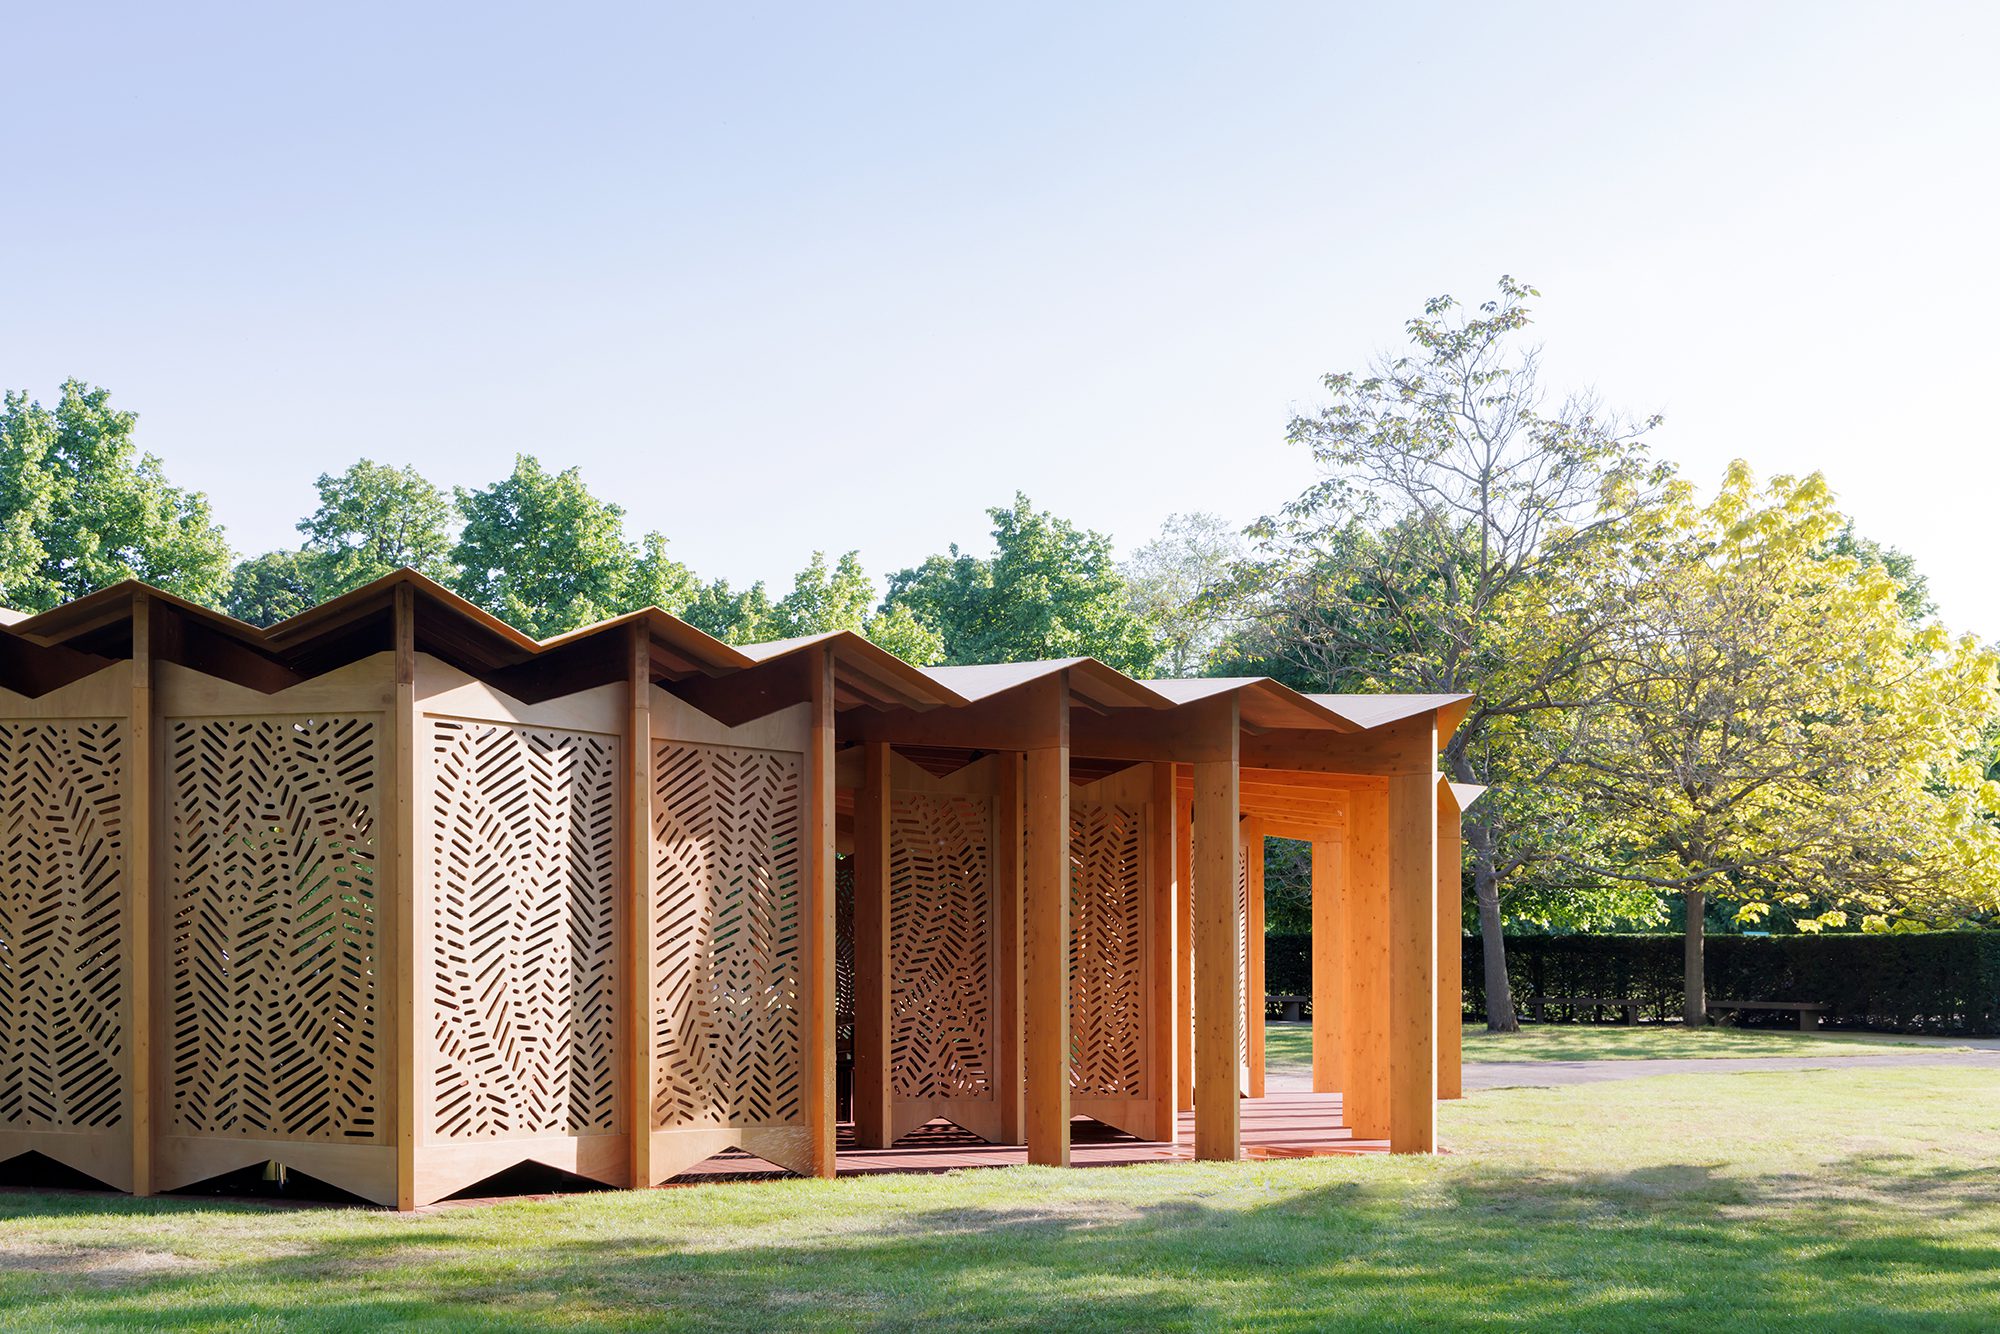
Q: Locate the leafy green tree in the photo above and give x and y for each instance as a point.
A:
(1781, 733)
(658, 580)
(373, 519)
(735, 618)
(1050, 590)
(81, 508)
(897, 629)
(1181, 584)
(825, 598)
(269, 588)
(538, 550)
(1453, 543)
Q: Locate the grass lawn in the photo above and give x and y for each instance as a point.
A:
(1290, 1045)
(1801, 1201)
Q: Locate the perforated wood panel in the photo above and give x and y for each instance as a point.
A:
(843, 949)
(941, 946)
(1251, 1013)
(274, 1024)
(64, 1048)
(521, 945)
(1107, 963)
(728, 829)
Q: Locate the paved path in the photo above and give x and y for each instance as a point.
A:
(1556, 1074)
(1985, 1055)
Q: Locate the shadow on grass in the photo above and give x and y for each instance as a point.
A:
(1666, 1246)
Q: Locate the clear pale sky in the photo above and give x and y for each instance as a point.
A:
(840, 276)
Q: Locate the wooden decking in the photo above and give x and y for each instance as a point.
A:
(1280, 1125)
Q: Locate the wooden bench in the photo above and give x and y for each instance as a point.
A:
(1809, 1011)
(1538, 1006)
(1292, 1009)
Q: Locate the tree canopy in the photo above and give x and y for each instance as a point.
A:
(1776, 727)
(1049, 590)
(540, 551)
(81, 508)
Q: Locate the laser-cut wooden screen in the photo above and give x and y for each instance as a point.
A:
(1111, 952)
(273, 925)
(727, 937)
(1107, 964)
(943, 980)
(522, 942)
(843, 951)
(64, 943)
(1253, 1013)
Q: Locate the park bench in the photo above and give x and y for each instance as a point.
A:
(1292, 1009)
(1809, 1011)
(1538, 1006)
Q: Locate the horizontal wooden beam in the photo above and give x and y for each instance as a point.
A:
(1406, 746)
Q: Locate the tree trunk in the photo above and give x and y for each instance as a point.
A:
(1500, 1016)
(1693, 979)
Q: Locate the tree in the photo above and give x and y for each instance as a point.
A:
(825, 599)
(1451, 546)
(897, 629)
(1179, 584)
(81, 508)
(540, 551)
(267, 589)
(373, 519)
(1782, 734)
(658, 580)
(1050, 590)
(733, 617)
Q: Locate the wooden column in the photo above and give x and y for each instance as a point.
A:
(139, 906)
(637, 1030)
(817, 976)
(872, 1119)
(1046, 929)
(1162, 959)
(1008, 836)
(1450, 948)
(1253, 946)
(404, 996)
(1413, 945)
(1329, 962)
(1364, 1025)
(1184, 954)
(1218, 998)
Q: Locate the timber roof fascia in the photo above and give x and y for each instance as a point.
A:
(867, 670)
(1090, 680)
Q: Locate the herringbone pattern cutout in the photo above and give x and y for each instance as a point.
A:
(728, 832)
(940, 943)
(63, 943)
(274, 940)
(522, 946)
(1107, 957)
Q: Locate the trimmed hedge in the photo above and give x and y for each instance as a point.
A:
(1944, 982)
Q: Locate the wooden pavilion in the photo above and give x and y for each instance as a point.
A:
(401, 898)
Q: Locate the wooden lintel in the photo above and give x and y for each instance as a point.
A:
(1204, 731)
(1407, 746)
